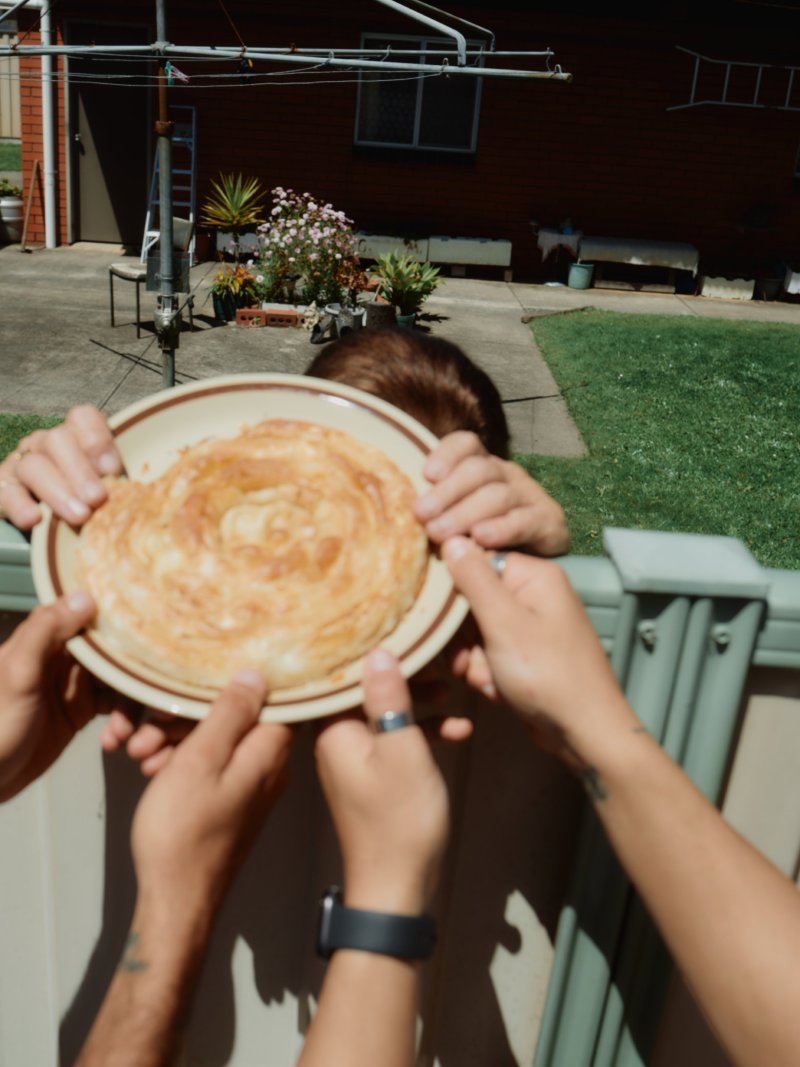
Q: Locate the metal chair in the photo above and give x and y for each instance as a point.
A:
(182, 232)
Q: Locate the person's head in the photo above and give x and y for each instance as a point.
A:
(427, 377)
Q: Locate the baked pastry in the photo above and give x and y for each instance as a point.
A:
(292, 548)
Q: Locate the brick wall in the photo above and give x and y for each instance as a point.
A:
(604, 151)
(32, 143)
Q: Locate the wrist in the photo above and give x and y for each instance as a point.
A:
(602, 735)
(342, 926)
(396, 895)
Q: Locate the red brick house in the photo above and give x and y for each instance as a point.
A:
(614, 151)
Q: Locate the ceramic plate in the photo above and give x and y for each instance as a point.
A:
(149, 435)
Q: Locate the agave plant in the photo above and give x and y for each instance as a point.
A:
(236, 204)
(404, 282)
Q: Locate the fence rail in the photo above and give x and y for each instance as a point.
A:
(683, 618)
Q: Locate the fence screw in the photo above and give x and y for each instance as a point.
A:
(647, 632)
(721, 636)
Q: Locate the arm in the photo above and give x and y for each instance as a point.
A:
(493, 500)
(730, 919)
(62, 467)
(389, 807)
(191, 831)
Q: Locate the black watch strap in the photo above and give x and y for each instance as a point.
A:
(411, 937)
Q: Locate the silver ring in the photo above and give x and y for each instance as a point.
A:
(392, 720)
(498, 562)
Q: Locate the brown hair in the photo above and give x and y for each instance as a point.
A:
(427, 377)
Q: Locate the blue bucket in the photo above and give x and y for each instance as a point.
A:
(580, 275)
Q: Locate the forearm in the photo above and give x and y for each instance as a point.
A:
(730, 919)
(366, 1013)
(144, 1010)
(368, 1005)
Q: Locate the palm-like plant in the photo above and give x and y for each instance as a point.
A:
(236, 204)
(404, 282)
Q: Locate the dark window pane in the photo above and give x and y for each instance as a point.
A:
(399, 108)
(388, 107)
(448, 108)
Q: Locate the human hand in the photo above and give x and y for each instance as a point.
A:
(148, 736)
(45, 696)
(197, 819)
(62, 467)
(386, 796)
(540, 651)
(493, 500)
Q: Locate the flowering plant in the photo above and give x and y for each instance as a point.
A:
(305, 245)
(238, 281)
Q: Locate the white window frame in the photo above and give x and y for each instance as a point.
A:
(439, 43)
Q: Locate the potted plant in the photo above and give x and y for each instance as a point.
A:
(234, 206)
(405, 283)
(303, 248)
(10, 212)
(353, 280)
(232, 288)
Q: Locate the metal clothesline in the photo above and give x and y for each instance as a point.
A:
(167, 316)
(351, 59)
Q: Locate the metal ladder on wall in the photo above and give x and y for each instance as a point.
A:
(184, 177)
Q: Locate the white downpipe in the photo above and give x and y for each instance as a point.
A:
(48, 134)
(48, 126)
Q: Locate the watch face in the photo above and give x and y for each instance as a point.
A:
(329, 901)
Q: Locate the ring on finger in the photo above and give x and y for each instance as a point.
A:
(18, 456)
(391, 721)
(498, 562)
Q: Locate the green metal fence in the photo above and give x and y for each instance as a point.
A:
(683, 618)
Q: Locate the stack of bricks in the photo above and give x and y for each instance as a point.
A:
(251, 317)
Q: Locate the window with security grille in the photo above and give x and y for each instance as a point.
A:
(402, 109)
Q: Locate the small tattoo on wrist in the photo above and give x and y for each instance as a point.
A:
(593, 784)
(129, 961)
(639, 730)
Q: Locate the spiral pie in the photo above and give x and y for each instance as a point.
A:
(292, 547)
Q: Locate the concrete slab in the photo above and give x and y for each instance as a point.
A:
(538, 298)
(57, 347)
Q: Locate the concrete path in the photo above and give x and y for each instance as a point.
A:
(57, 347)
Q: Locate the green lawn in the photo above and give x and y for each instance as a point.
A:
(10, 156)
(12, 427)
(692, 424)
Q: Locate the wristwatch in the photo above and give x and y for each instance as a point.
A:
(411, 937)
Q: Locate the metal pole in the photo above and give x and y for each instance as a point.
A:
(167, 317)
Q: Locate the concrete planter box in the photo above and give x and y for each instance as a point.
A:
(372, 245)
(471, 251)
(727, 288)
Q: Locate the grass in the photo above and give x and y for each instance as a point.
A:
(12, 427)
(10, 156)
(691, 424)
